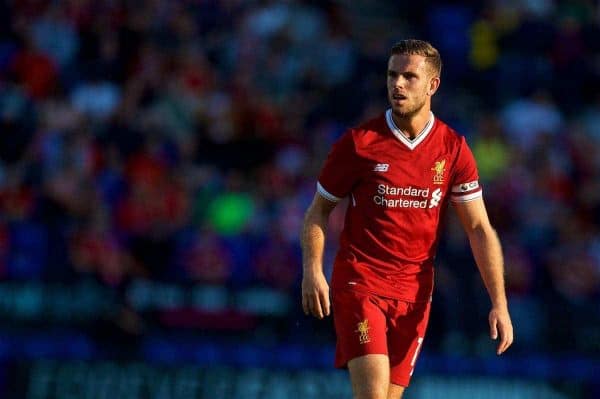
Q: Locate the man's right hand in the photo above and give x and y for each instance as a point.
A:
(315, 295)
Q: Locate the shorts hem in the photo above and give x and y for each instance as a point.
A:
(344, 365)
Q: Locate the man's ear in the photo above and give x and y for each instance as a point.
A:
(434, 83)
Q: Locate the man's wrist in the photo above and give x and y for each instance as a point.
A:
(312, 269)
(500, 304)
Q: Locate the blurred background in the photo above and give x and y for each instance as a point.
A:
(156, 159)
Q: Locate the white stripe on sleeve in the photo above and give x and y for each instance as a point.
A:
(326, 194)
(467, 197)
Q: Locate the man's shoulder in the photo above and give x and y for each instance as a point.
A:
(369, 129)
(447, 133)
(446, 129)
(376, 122)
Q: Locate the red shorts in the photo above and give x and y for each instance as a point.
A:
(370, 324)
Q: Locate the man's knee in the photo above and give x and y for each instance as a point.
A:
(395, 391)
(370, 376)
(370, 393)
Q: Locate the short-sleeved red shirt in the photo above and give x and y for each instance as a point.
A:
(399, 191)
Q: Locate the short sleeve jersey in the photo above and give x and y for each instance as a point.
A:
(399, 190)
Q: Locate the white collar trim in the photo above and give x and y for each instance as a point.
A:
(411, 144)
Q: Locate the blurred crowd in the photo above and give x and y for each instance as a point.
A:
(180, 141)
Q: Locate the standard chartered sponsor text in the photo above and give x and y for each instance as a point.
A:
(396, 197)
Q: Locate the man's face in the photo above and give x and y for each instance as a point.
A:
(409, 84)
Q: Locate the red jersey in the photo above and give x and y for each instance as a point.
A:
(399, 191)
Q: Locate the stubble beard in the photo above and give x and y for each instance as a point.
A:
(410, 113)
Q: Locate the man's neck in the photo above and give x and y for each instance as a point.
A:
(412, 126)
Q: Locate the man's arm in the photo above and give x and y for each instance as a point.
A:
(487, 252)
(315, 290)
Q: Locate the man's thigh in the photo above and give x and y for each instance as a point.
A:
(360, 326)
(366, 324)
(370, 377)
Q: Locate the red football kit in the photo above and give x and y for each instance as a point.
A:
(399, 191)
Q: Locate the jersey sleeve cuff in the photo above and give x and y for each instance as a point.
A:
(326, 194)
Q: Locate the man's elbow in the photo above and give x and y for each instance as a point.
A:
(482, 231)
(316, 215)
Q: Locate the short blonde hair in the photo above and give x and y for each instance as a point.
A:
(419, 47)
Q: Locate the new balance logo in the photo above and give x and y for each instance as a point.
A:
(381, 167)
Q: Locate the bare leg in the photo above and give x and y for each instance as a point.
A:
(395, 391)
(370, 376)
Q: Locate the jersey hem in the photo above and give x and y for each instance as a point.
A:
(368, 291)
